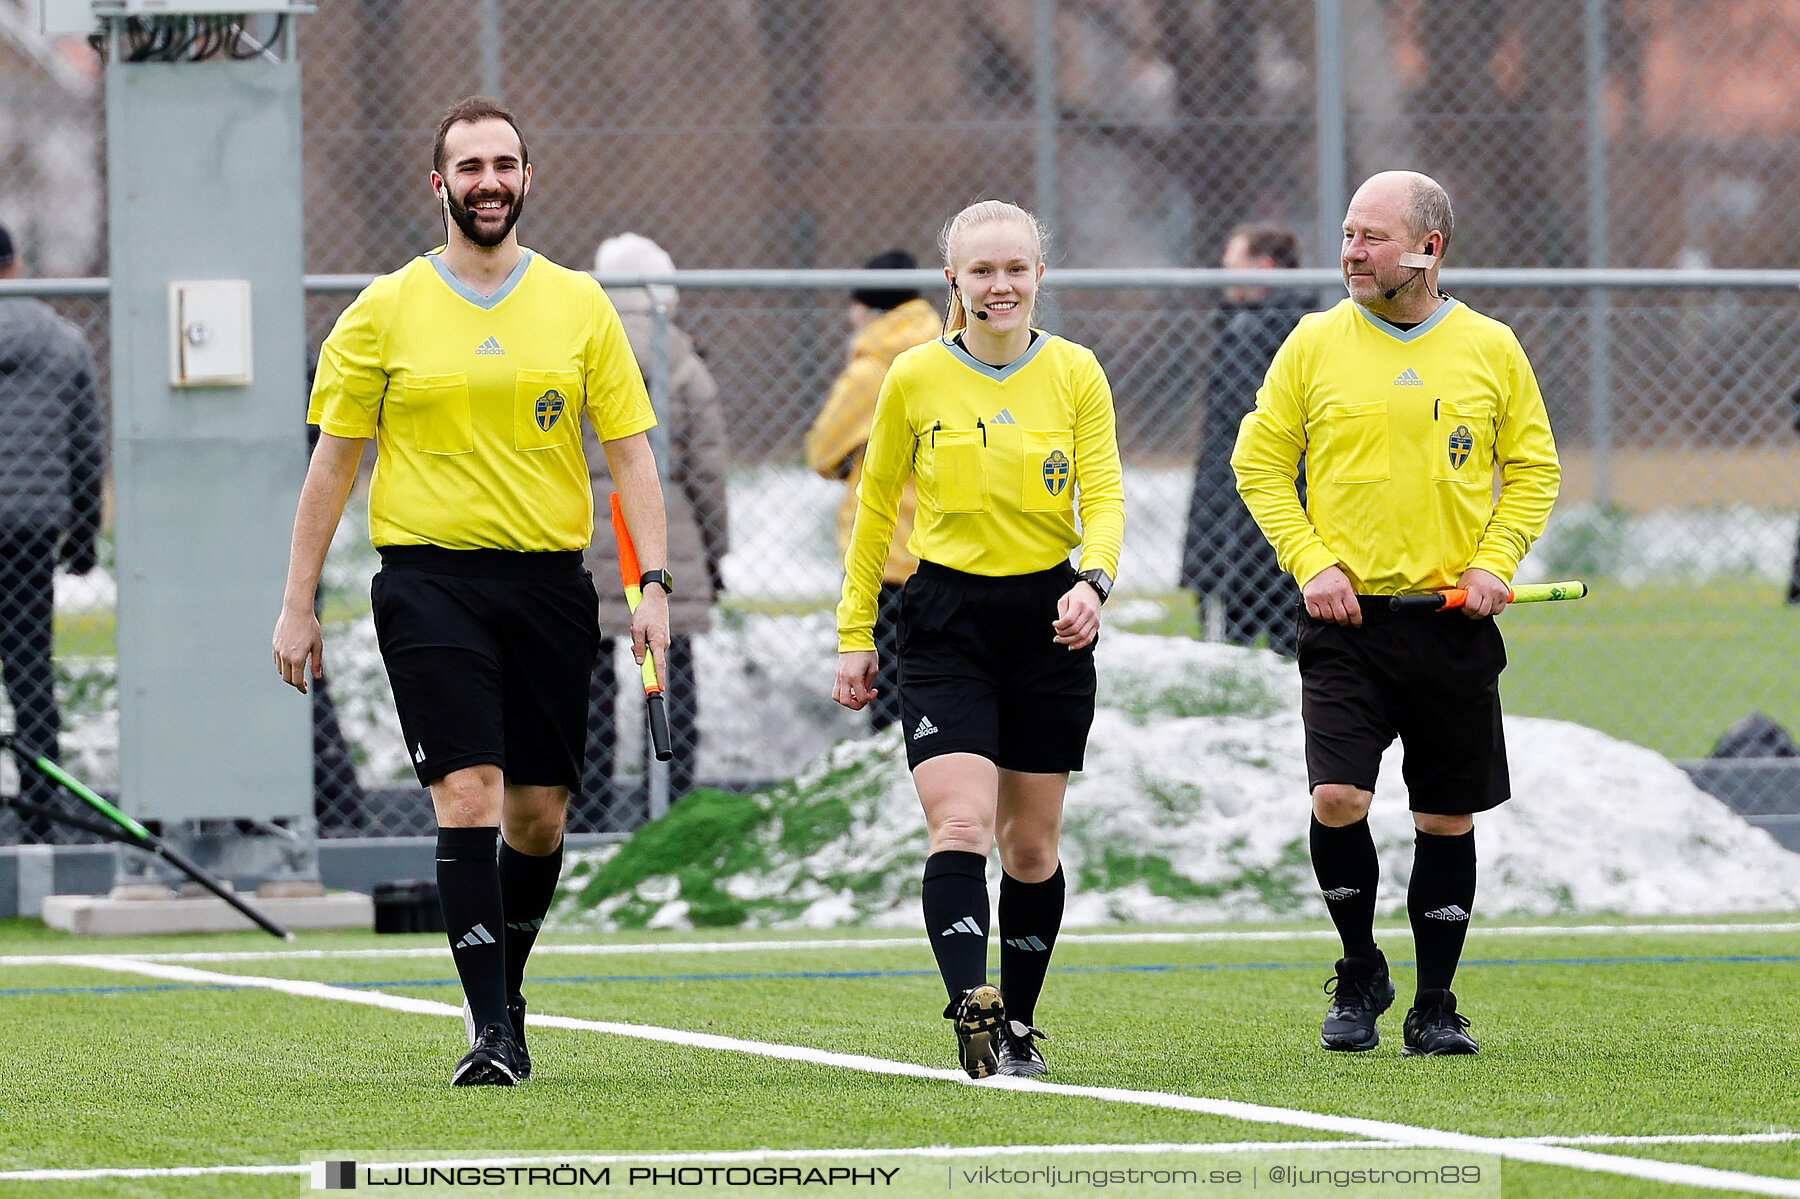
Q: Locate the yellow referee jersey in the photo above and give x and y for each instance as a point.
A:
(475, 403)
(997, 455)
(1402, 432)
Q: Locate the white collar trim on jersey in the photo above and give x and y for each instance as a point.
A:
(470, 294)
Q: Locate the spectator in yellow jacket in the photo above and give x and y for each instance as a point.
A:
(883, 322)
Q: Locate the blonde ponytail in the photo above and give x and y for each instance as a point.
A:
(955, 318)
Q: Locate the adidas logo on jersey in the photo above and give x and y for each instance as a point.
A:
(965, 925)
(1448, 912)
(1340, 893)
(476, 936)
(1409, 378)
(490, 346)
(925, 729)
(1030, 943)
(1005, 417)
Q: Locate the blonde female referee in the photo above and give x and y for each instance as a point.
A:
(1005, 430)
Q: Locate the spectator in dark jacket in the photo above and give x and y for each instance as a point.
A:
(50, 476)
(1225, 559)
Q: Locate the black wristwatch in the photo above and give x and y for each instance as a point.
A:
(1099, 580)
(660, 578)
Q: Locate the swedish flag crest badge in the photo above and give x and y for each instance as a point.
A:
(1056, 472)
(1461, 442)
(549, 409)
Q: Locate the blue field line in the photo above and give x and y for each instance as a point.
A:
(749, 976)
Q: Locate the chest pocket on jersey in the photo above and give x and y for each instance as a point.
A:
(434, 413)
(1463, 452)
(1350, 444)
(1048, 467)
(546, 409)
(952, 469)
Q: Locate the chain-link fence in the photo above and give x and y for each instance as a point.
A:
(1690, 546)
(810, 133)
(813, 133)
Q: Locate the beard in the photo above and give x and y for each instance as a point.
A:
(465, 220)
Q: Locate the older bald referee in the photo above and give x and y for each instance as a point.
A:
(1403, 401)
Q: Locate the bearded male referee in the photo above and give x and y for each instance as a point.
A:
(472, 366)
(1403, 401)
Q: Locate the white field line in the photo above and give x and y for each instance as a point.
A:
(1675, 1138)
(1382, 1130)
(733, 1156)
(710, 947)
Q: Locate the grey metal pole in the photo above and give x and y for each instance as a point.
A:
(1599, 300)
(490, 48)
(1331, 117)
(205, 463)
(1045, 108)
(656, 774)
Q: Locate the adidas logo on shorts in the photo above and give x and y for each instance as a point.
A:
(925, 729)
(1448, 912)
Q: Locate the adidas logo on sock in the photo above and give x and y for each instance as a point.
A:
(525, 926)
(1338, 893)
(490, 346)
(1031, 943)
(965, 925)
(475, 938)
(1448, 912)
(1409, 378)
(1005, 417)
(925, 729)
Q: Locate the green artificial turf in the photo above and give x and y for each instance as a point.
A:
(1622, 1033)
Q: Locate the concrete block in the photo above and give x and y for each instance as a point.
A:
(103, 916)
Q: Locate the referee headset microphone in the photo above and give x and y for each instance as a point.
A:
(980, 316)
(1420, 264)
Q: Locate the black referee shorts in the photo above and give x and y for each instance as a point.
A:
(981, 673)
(1432, 679)
(489, 653)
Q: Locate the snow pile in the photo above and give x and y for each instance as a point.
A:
(1192, 808)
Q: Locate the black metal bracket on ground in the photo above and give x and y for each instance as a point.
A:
(125, 831)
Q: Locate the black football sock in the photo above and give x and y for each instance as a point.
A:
(1030, 917)
(956, 917)
(1345, 863)
(1438, 903)
(469, 889)
(527, 885)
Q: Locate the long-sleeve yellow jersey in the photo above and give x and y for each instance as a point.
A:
(997, 455)
(1402, 431)
(834, 444)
